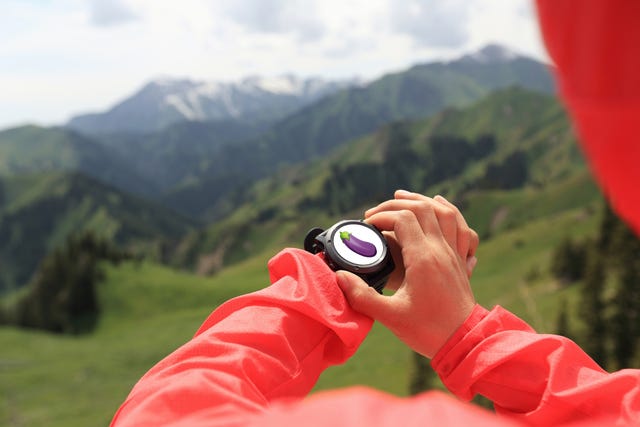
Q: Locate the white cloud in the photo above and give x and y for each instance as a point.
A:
(433, 23)
(105, 13)
(277, 16)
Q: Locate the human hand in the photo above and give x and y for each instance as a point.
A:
(461, 237)
(434, 251)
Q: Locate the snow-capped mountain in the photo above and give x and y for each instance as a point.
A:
(163, 102)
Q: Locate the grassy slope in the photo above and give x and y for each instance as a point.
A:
(34, 149)
(78, 381)
(41, 210)
(150, 310)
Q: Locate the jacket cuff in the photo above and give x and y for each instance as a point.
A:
(454, 349)
(457, 363)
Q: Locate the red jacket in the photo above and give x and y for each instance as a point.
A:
(258, 355)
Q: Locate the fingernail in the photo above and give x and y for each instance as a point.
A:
(471, 263)
(342, 279)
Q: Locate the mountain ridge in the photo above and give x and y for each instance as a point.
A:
(163, 102)
(316, 129)
(32, 149)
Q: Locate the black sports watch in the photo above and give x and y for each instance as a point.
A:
(354, 246)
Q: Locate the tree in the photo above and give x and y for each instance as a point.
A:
(421, 378)
(448, 156)
(612, 261)
(562, 322)
(593, 307)
(624, 251)
(511, 173)
(484, 145)
(62, 296)
(2, 195)
(568, 261)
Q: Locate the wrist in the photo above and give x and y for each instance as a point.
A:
(476, 314)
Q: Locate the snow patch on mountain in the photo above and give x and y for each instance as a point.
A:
(166, 101)
(179, 104)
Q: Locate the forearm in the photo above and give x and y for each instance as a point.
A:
(255, 348)
(541, 379)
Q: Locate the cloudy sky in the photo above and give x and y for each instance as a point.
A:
(63, 57)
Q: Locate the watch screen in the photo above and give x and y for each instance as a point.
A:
(358, 244)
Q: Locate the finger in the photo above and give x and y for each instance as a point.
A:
(449, 225)
(396, 277)
(408, 195)
(399, 195)
(468, 240)
(442, 200)
(406, 227)
(363, 298)
(423, 210)
(471, 265)
(474, 241)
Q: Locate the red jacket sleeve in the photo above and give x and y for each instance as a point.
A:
(253, 349)
(539, 379)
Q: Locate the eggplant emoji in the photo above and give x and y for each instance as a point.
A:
(358, 246)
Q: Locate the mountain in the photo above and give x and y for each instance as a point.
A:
(180, 152)
(202, 169)
(495, 66)
(508, 158)
(34, 149)
(161, 103)
(315, 130)
(39, 211)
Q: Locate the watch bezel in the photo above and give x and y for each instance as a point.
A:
(328, 238)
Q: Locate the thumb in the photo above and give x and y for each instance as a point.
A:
(362, 297)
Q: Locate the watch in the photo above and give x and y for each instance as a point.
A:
(354, 246)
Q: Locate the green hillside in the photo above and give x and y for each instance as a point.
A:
(39, 211)
(511, 140)
(181, 152)
(315, 131)
(35, 149)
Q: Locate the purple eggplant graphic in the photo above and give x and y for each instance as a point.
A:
(358, 246)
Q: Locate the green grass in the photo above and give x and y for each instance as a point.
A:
(523, 205)
(505, 263)
(149, 310)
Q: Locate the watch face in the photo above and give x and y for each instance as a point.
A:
(358, 244)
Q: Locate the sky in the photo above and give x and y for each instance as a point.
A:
(60, 58)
